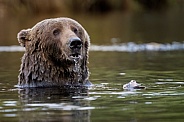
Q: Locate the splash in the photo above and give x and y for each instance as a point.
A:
(133, 85)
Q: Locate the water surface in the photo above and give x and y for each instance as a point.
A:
(162, 100)
(142, 46)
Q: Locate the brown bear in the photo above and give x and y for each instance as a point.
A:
(56, 54)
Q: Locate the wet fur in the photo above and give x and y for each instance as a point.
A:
(45, 62)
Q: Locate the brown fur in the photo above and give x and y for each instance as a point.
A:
(46, 61)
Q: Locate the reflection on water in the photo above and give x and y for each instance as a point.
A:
(162, 100)
(57, 104)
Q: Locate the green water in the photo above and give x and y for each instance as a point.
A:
(162, 100)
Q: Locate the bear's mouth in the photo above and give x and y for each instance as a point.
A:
(75, 56)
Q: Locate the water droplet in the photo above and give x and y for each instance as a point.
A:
(76, 68)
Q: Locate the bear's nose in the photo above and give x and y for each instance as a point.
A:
(75, 43)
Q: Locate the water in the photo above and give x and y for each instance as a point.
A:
(123, 47)
(146, 47)
(76, 68)
(162, 100)
(160, 72)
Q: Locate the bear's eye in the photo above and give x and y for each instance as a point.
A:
(75, 30)
(56, 32)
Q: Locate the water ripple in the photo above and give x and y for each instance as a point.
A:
(13, 48)
(124, 47)
(61, 106)
(133, 47)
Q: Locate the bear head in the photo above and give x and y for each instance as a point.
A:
(54, 46)
(60, 40)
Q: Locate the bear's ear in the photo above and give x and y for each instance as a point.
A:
(23, 37)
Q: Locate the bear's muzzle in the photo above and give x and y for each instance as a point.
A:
(75, 46)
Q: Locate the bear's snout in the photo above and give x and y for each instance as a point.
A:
(75, 46)
(75, 43)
